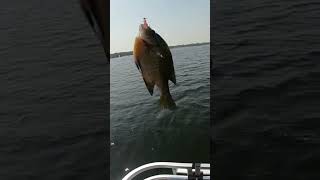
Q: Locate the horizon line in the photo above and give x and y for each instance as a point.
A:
(169, 47)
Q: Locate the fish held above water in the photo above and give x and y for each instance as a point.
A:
(153, 59)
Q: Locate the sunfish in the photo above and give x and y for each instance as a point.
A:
(153, 59)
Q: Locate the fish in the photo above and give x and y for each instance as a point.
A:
(96, 14)
(153, 59)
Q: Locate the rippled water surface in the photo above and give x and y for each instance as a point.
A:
(53, 76)
(266, 89)
(141, 133)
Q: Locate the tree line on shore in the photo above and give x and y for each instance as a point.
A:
(120, 54)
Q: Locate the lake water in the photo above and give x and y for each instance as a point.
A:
(53, 105)
(266, 89)
(141, 133)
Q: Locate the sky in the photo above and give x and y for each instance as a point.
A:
(176, 21)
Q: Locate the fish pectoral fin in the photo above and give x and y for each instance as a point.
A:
(150, 86)
(138, 66)
(137, 62)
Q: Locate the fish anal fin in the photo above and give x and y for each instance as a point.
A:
(172, 74)
(149, 85)
(172, 78)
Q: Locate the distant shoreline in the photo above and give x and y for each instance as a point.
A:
(128, 53)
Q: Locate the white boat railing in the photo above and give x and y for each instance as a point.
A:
(180, 171)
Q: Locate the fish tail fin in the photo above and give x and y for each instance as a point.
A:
(166, 102)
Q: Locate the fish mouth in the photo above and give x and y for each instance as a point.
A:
(144, 26)
(146, 33)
